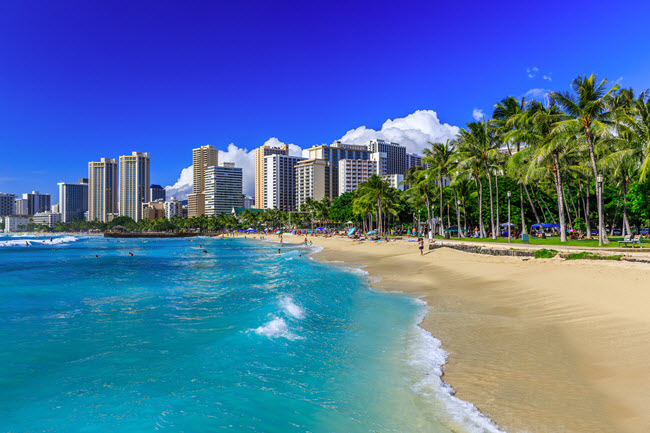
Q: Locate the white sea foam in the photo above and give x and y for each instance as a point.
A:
(427, 357)
(275, 328)
(46, 241)
(291, 309)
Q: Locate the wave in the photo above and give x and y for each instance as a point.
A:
(291, 309)
(28, 242)
(427, 357)
(275, 328)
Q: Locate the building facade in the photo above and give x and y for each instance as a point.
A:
(280, 181)
(333, 154)
(395, 155)
(33, 203)
(202, 158)
(260, 154)
(173, 207)
(312, 181)
(102, 189)
(153, 210)
(16, 223)
(21, 206)
(73, 201)
(48, 218)
(413, 160)
(223, 189)
(134, 184)
(352, 172)
(249, 202)
(157, 192)
(395, 181)
(7, 204)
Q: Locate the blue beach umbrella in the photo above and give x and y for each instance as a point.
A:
(310, 231)
(372, 232)
(278, 232)
(352, 230)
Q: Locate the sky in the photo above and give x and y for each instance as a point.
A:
(84, 80)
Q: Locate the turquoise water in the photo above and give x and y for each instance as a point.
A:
(237, 339)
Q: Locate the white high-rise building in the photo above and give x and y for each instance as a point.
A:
(48, 218)
(16, 223)
(395, 181)
(312, 181)
(33, 202)
(223, 188)
(173, 207)
(7, 204)
(73, 201)
(280, 181)
(102, 189)
(333, 154)
(352, 172)
(395, 154)
(134, 184)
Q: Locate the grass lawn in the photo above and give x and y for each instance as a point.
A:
(555, 240)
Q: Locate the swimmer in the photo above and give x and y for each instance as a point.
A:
(96, 256)
(204, 251)
(130, 254)
(278, 250)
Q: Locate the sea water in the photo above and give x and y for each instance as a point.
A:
(238, 338)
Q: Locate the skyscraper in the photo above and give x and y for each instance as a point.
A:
(34, 202)
(259, 170)
(134, 183)
(280, 181)
(395, 155)
(7, 204)
(333, 154)
(312, 181)
(202, 158)
(102, 189)
(73, 200)
(223, 188)
(157, 192)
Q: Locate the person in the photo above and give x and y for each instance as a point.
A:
(278, 250)
(421, 245)
(305, 240)
(430, 236)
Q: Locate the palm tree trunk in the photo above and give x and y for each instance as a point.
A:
(460, 230)
(618, 203)
(560, 196)
(496, 182)
(521, 206)
(479, 188)
(442, 226)
(599, 199)
(626, 221)
(494, 233)
(588, 210)
(566, 206)
(547, 208)
(532, 206)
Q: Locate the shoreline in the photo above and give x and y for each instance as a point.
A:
(536, 346)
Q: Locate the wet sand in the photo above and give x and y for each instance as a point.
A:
(537, 345)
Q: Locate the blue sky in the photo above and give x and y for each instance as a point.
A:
(84, 80)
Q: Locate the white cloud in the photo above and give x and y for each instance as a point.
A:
(538, 94)
(243, 158)
(547, 77)
(414, 131)
(477, 114)
(532, 71)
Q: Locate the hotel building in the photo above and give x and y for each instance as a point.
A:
(16, 223)
(157, 192)
(223, 188)
(33, 203)
(333, 154)
(7, 204)
(395, 155)
(134, 183)
(312, 181)
(202, 158)
(153, 210)
(395, 181)
(73, 200)
(102, 189)
(47, 218)
(173, 207)
(352, 172)
(260, 154)
(280, 181)
(414, 160)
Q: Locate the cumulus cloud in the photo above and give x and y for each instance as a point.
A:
(477, 114)
(243, 158)
(414, 131)
(532, 72)
(537, 94)
(547, 77)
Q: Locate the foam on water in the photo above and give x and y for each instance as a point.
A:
(291, 309)
(275, 328)
(25, 242)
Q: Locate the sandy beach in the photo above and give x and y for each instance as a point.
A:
(537, 345)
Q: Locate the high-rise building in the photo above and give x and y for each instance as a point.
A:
(260, 154)
(413, 160)
(382, 162)
(173, 207)
(395, 154)
(21, 206)
(352, 172)
(134, 183)
(7, 204)
(202, 158)
(34, 202)
(153, 210)
(157, 192)
(223, 188)
(280, 181)
(333, 154)
(395, 181)
(46, 218)
(73, 201)
(312, 181)
(249, 202)
(102, 189)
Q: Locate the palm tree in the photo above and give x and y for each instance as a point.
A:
(589, 115)
(476, 148)
(376, 189)
(419, 183)
(442, 159)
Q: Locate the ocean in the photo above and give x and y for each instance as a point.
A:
(237, 338)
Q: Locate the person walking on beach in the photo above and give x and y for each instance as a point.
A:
(421, 245)
(430, 236)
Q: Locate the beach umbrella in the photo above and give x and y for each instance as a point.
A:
(352, 230)
(372, 232)
(320, 228)
(278, 232)
(310, 231)
(507, 224)
(452, 229)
